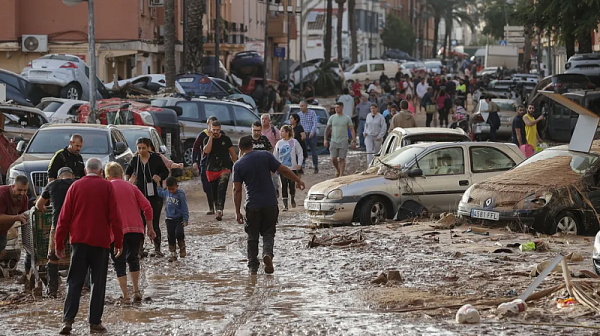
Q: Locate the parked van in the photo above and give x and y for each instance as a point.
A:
(371, 70)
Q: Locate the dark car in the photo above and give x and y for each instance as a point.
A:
(562, 83)
(568, 202)
(100, 141)
(20, 90)
(247, 64)
(559, 121)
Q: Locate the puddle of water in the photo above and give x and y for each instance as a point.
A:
(149, 316)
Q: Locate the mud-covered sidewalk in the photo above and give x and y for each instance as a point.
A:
(323, 290)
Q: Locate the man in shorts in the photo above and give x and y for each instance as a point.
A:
(339, 124)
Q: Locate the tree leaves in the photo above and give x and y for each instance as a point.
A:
(398, 34)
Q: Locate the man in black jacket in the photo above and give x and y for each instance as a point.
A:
(68, 157)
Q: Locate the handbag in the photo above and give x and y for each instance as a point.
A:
(430, 109)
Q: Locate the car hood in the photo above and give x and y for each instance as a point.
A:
(39, 162)
(342, 182)
(518, 187)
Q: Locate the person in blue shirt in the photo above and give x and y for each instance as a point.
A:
(254, 170)
(177, 216)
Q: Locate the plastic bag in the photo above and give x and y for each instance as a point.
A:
(541, 147)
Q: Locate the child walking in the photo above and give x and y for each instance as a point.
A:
(177, 216)
(289, 152)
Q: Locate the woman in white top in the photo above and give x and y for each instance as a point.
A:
(289, 152)
(375, 128)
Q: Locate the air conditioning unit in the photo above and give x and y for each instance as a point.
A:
(35, 43)
(157, 3)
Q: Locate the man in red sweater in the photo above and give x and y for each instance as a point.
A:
(89, 214)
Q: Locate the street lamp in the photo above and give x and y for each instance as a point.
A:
(92, 54)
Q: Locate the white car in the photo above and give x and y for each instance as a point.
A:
(60, 110)
(371, 70)
(65, 76)
(434, 66)
(153, 82)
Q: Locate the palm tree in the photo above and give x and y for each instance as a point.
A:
(340, 26)
(449, 10)
(353, 32)
(328, 31)
(194, 42)
(170, 44)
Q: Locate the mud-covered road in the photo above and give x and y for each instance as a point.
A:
(319, 290)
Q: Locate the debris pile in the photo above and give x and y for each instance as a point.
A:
(353, 239)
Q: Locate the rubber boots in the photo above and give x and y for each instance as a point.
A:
(52, 273)
(182, 252)
(157, 251)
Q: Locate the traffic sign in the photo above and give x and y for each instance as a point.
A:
(514, 28)
(516, 40)
(279, 52)
(502, 42)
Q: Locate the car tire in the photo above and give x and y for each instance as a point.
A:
(373, 211)
(188, 153)
(71, 91)
(568, 223)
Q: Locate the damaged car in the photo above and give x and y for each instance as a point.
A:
(415, 180)
(567, 202)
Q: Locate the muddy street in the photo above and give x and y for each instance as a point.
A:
(323, 290)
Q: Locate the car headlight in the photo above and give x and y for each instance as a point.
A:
(335, 194)
(147, 118)
(467, 195)
(12, 175)
(542, 200)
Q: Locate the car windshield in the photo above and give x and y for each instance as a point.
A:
(580, 162)
(402, 156)
(49, 141)
(52, 107)
(132, 134)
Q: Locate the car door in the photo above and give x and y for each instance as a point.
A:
(72, 112)
(486, 162)
(224, 115)
(361, 73)
(444, 181)
(191, 121)
(158, 143)
(244, 119)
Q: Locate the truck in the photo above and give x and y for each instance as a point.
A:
(502, 56)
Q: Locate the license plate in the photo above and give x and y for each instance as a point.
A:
(186, 80)
(481, 214)
(313, 206)
(39, 74)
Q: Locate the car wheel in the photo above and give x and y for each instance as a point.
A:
(71, 91)
(188, 154)
(373, 211)
(566, 222)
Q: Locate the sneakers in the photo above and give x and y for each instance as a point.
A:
(66, 328)
(97, 329)
(182, 252)
(268, 261)
(293, 202)
(316, 170)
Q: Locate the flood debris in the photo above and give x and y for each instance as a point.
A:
(337, 240)
(477, 231)
(447, 221)
(381, 279)
(467, 314)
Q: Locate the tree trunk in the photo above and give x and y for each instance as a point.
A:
(526, 65)
(340, 26)
(585, 43)
(447, 38)
(353, 32)
(570, 45)
(170, 70)
(328, 31)
(194, 43)
(436, 33)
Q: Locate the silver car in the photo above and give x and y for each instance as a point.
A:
(585, 64)
(480, 127)
(416, 180)
(64, 76)
(60, 110)
(283, 118)
(21, 122)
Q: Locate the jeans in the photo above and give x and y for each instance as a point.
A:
(260, 222)
(287, 183)
(219, 190)
(372, 146)
(361, 130)
(84, 257)
(429, 119)
(312, 144)
(443, 117)
(157, 204)
(130, 254)
(207, 188)
(174, 230)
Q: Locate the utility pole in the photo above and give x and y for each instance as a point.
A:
(301, 48)
(92, 53)
(287, 13)
(185, 44)
(549, 51)
(217, 37)
(265, 70)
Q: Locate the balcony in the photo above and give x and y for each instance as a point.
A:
(231, 33)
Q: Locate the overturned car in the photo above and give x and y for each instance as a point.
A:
(553, 191)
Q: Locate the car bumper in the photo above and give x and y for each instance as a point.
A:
(48, 78)
(330, 213)
(484, 128)
(526, 216)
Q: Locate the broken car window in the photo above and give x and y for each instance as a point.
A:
(402, 156)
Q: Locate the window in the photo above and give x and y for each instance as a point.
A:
(220, 111)
(361, 69)
(22, 119)
(190, 111)
(243, 117)
(447, 161)
(74, 110)
(48, 141)
(50, 106)
(377, 67)
(390, 144)
(10, 80)
(487, 160)
(157, 141)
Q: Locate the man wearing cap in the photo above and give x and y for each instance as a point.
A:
(55, 192)
(68, 157)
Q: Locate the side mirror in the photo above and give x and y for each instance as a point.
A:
(21, 147)
(163, 150)
(415, 172)
(120, 148)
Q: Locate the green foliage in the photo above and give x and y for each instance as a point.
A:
(494, 14)
(484, 40)
(324, 79)
(398, 34)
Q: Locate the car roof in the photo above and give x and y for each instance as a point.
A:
(14, 74)
(77, 126)
(4, 105)
(132, 127)
(434, 145)
(427, 130)
(206, 99)
(63, 100)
